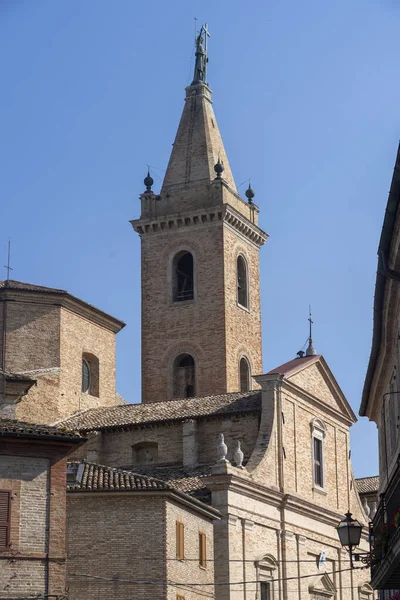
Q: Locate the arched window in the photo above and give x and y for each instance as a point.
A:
(90, 374)
(183, 280)
(242, 283)
(85, 376)
(244, 375)
(184, 376)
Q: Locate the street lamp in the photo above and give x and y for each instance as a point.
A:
(349, 532)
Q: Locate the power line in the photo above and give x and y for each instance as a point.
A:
(216, 583)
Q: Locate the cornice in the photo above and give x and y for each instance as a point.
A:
(67, 301)
(212, 214)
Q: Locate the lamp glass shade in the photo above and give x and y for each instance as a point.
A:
(349, 531)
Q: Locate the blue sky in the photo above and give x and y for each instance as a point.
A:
(307, 100)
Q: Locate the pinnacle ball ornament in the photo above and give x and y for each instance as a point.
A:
(148, 181)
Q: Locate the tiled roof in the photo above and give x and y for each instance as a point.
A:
(190, 480)
(367, 485)
(129, 415)
(98, 478)
(14, 428)
(29, 287)
(293, 365)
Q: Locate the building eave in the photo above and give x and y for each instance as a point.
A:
(392, 209)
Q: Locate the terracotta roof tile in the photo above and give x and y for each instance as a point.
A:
(190, 480)
(130, 415)
(367, 485)
(20, 285)
(293, 365)
(14, 428)
(99, 478)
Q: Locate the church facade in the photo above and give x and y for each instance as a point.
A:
(264, 458)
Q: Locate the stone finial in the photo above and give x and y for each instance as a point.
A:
(148, 182)
(372, 511)
(365, 506)
(250, 194)
(219, 169)
(222, 449)
(238, 456)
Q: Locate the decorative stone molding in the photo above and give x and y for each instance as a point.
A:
(248, 525)
(214, 214)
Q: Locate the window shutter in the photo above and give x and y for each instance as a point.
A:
(5, 498)
(202, 550)
(180, 540)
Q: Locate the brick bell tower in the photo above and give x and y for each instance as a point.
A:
(200, 241)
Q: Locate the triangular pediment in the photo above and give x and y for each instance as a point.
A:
(323, 587)
(317, 380)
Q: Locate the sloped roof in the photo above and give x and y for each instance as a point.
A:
(367, 485)
(22, 429)
(29, 287)
(190, 480)
(388, 227)
(294, 365)
(99, 478)
(129, 415)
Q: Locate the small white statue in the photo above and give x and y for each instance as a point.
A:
(366, 508)
(372, 510)
(222, 449)
(238, 456)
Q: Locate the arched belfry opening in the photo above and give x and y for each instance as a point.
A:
(184, 376)
(242, 282)
(183, 277)
(244, 375)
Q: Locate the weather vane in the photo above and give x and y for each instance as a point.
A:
(7, 267)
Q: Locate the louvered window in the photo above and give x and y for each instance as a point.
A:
(180, 540)
(5, 498)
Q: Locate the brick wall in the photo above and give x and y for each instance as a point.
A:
(109, 535)
(79, 336)
(35, 475)
(243, 327)
(169, 329)
(189, 570)
(42, 336)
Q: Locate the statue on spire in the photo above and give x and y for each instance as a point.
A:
(200, 67)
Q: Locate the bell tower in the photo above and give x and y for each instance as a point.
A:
(200, 241)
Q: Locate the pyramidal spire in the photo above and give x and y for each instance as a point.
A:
(198, 144)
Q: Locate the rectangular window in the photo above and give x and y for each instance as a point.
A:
(5, 499)
(180, 540)
(265, 591)
(202, 550)
(178, 597)
(318, 462)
